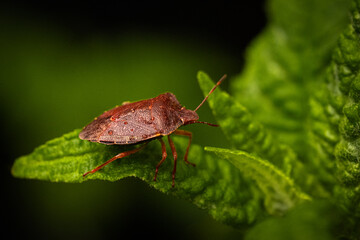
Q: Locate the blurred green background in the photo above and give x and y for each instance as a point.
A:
(62, 64)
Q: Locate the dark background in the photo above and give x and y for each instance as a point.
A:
(64, 62)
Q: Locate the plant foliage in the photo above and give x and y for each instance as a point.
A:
(292, 121)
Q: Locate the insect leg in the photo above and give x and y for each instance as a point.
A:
(173, 150)
(120, 155)
(164, 155)
(188, 134)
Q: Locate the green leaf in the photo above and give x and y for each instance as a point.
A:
(242, 131)
(284, 63)
(282, 81)
(247, 134)
(212, 185)
(280, 192)
(343, 77)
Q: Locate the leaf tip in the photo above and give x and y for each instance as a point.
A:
(201, 74)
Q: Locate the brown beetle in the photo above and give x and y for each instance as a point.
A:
(142, 121)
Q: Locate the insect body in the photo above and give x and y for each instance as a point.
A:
(142, 121)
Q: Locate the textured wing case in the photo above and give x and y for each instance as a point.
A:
(135, 122)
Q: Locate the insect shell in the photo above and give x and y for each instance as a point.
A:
(139, 122)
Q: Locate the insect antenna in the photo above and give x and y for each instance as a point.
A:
(217, 84)
(210, 124)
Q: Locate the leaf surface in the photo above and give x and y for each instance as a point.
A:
(279, 190)
(247, 134)
(212, 185)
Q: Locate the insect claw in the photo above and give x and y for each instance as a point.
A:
(192, 164)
